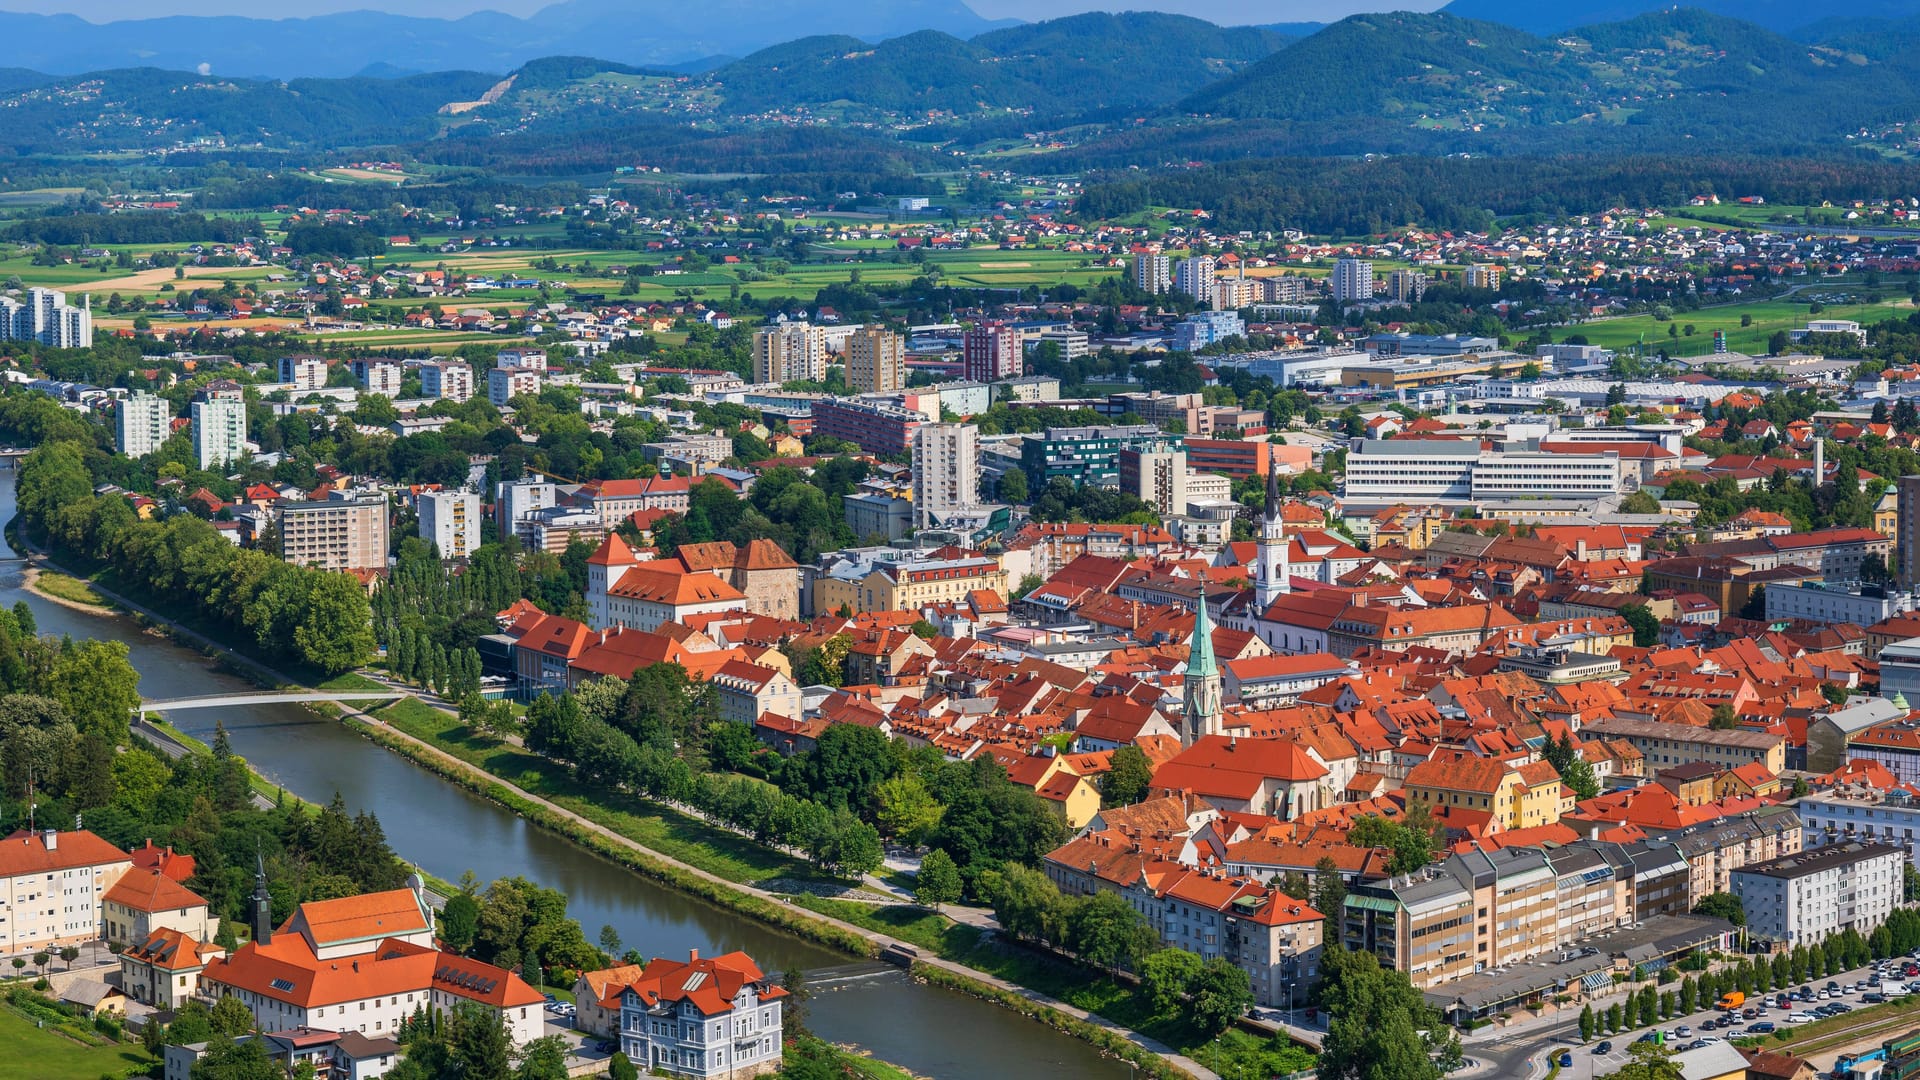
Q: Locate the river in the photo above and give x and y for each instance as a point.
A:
(447, 831)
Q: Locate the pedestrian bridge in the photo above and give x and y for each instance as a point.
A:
(221, 701)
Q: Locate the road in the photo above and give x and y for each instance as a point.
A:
(1522, 1054)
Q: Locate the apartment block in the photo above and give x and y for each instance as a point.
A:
(303, 372)
(993, 352)
(876, 427)
(1352, 280)
(142, 424)
(504, 384)
(380, 378)
(1153, 273)
(1195, 277)
(448, 381)
(52, 888)
(335, 534)
(790, 352)
(1406, 286)
(46, 317)
(1811, 895)
(515, 501)
(220, 424)
(450, 520)
(1157, 478)
(876, 360)
(946, 471)
(1481, 276)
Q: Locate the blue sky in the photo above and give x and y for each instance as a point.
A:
(1264, 11)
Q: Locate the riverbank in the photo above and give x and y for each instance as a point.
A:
(68, 592)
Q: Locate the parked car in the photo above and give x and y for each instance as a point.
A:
(1566, 1060)
(1801, 1018)
(1764, 1027)
(1873, 998)
(1605, 1047)
(1683, 1032)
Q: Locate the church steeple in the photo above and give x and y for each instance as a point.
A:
(262, 902)
(1201, 713)
(1271, 572)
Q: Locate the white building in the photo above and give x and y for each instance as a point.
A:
(1152, 273)
(946, 471)
(1204, 328)
(1157, 478)
(220, 425)
(381, 378)
(718, 1017)
(303, 372)
(790, 352)
(1406, 286)
(522, 359)
(515, 501)
(52, 888)
(1854, 812)
(505, 384)
(47, 318)
(1400, 470)
(449, 381)
(1072, 343)
(1835, 602)
(450, 520)
(1194, 277)
(143, 423)
(1805, 897)
(1352, 280)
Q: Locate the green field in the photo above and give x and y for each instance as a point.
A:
(1769, 317)
(31, 1053)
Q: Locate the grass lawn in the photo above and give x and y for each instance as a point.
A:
(31, 1053)
(663, 830)
(71, 589)
(1768, 317)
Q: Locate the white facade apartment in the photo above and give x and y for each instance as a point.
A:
(1836, 818)
(51, 888)
(1153, 273)
(1817, 601)
(515, 501)
(522, 359)
(219, 430)
(453, 382)
(303, 372)
(335, 534)
(791, 352)
(1398, 470)
(450, 520)
(1157, 478)
(1802, 898)
(1352, 280)
(946, 471)
(382, 379)
(1194, 277)
(505, 384)
(47, 318)
(876, 360)
(143, 423)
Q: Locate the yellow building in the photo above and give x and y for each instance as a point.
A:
(893, 580)
(1512, 797)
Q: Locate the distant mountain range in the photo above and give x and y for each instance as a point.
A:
(1780, 16)
(628, 31)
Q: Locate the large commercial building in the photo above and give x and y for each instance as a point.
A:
(790, 352)
(993, 352)
(876, 427)
(1194, 277)
(1806, 897)
(1152, 273)
(450, 520)
(335, 534)
(946, 471)
(451, 381)
(220, 424)
(46, 317)
(143, 423)
(1086, 455)
(1403, 470)
(1352, 280)
(876, 360)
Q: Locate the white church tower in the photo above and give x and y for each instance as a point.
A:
(1271, 572)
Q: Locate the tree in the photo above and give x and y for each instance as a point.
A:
(793, 1017)
(1106, 930)
(1646, 628)
(230, 1017)
(479, 1043)
(620, 1068)
(1640, 502)
(544, 1058)
(1615, 1021)
(1129, 778)
(1722, 905)
(1586, 1023)
(938, 881)
(1013, 487)
(226, 1059)
(1648, 1061)
(610, 940)
(335, 631)
(459, 921)
(906, 810)
(1375, 1019)
(1168, 975)
(1220, 994)
(68, 955)
(1723, 718)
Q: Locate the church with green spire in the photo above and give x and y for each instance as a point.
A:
(1202, 713)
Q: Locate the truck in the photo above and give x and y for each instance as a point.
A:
(1733, 999)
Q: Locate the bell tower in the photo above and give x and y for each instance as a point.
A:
(1271, 572)
(1201, 714)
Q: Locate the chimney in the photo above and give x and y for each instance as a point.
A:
(693, 956)
(52, 839)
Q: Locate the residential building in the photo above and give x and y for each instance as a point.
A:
(1194, 277)
(876, 427)
(163, 969)
(1907, 542)
(1678, 744)
(1402, 470)
(1860, 812)
(1086, 455)
(517, 500)
(1481, 276)
(1152, 273)
(303, 372)
(220, 424)
(506, 383)
(145, 901)
(591, 988)
(46, 317)
(790, 352)
(522, 359)
(881, 514)
(946, 471)
(1352, 281)
(449, 380)
(450, 520)
(1071, 343)
(335, 533)
(716, 1017)
(1806, 897)
(1157, 478)
(1204, 328)
(52, 888)
(617, 500)
(746, 692)
(1406, 286)
(876, 360)
(1484, 788)
(380, 377)
(890, 579)
(555, 528)
(994, 351)
(142, 423)
(1836, 602)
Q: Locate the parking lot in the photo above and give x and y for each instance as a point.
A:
(1850, 990)
(581, 1047)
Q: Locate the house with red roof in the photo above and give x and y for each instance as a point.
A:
(703, 1017)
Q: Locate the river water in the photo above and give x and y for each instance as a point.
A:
(447, 831)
